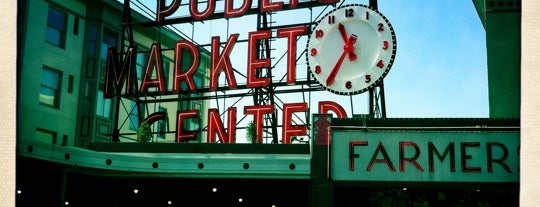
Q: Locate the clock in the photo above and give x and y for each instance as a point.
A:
(351, 49)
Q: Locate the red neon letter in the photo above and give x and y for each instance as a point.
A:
(288, 129)
(267, 6)
(155, 60)
(254, 63)
(412, 160)
(163, 11)
(216, 125)
(115, 78)
(180, 116)
(194, 11)
(325, 106)
(293, 4)
(291, 34)
(222, 62)
(188, 75)
(258, 111)
(231, 12)
(353, 155)
(156, 116)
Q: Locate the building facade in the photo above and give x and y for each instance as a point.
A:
(62, 69)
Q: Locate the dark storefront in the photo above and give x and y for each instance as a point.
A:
(40, 184)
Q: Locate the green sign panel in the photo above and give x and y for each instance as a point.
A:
(425, 156)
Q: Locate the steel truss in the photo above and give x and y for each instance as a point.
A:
(260, 96)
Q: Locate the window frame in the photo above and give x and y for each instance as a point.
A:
(57, 90)
(133, 116)
(161, 125)
(52, 134)
(109, 38)
(141, 61)
(54, 26)
(103, 105)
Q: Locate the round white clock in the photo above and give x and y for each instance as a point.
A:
(351, 49)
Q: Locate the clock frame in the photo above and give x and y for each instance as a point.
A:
(351, 49)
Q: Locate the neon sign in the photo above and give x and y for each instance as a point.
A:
(220, 62)
(121, 75)
(164, 11)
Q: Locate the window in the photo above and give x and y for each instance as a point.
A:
(49, 93)
(142, 58)
(198, 80)
(92, 38)
(134, 115)
(56, 27)
(187, 60)
(161, 125)
(103, 105)
(166, 69)
(195, 123)
(45, 136)
(110, 39)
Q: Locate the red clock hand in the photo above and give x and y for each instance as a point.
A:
(332, 76)
(343, 32)
(341, 29)
(347, 49)
(352, 55)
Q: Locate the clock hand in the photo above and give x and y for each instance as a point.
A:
(343, 33)
(347, 49)
(350, 41)
(332, 76)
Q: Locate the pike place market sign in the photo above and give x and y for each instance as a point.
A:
(425, 156)
(338, 31)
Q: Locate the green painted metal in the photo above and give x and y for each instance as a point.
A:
(187, 165)
(481, 9)
(237, 148)
(502, 22)
(471, 162)
(471, 123)
(322, 188)
(503, 37)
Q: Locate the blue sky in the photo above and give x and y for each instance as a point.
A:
(440, 68)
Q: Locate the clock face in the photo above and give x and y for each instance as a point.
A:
(351, 49)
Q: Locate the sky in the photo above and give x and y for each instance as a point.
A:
(440, 69)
